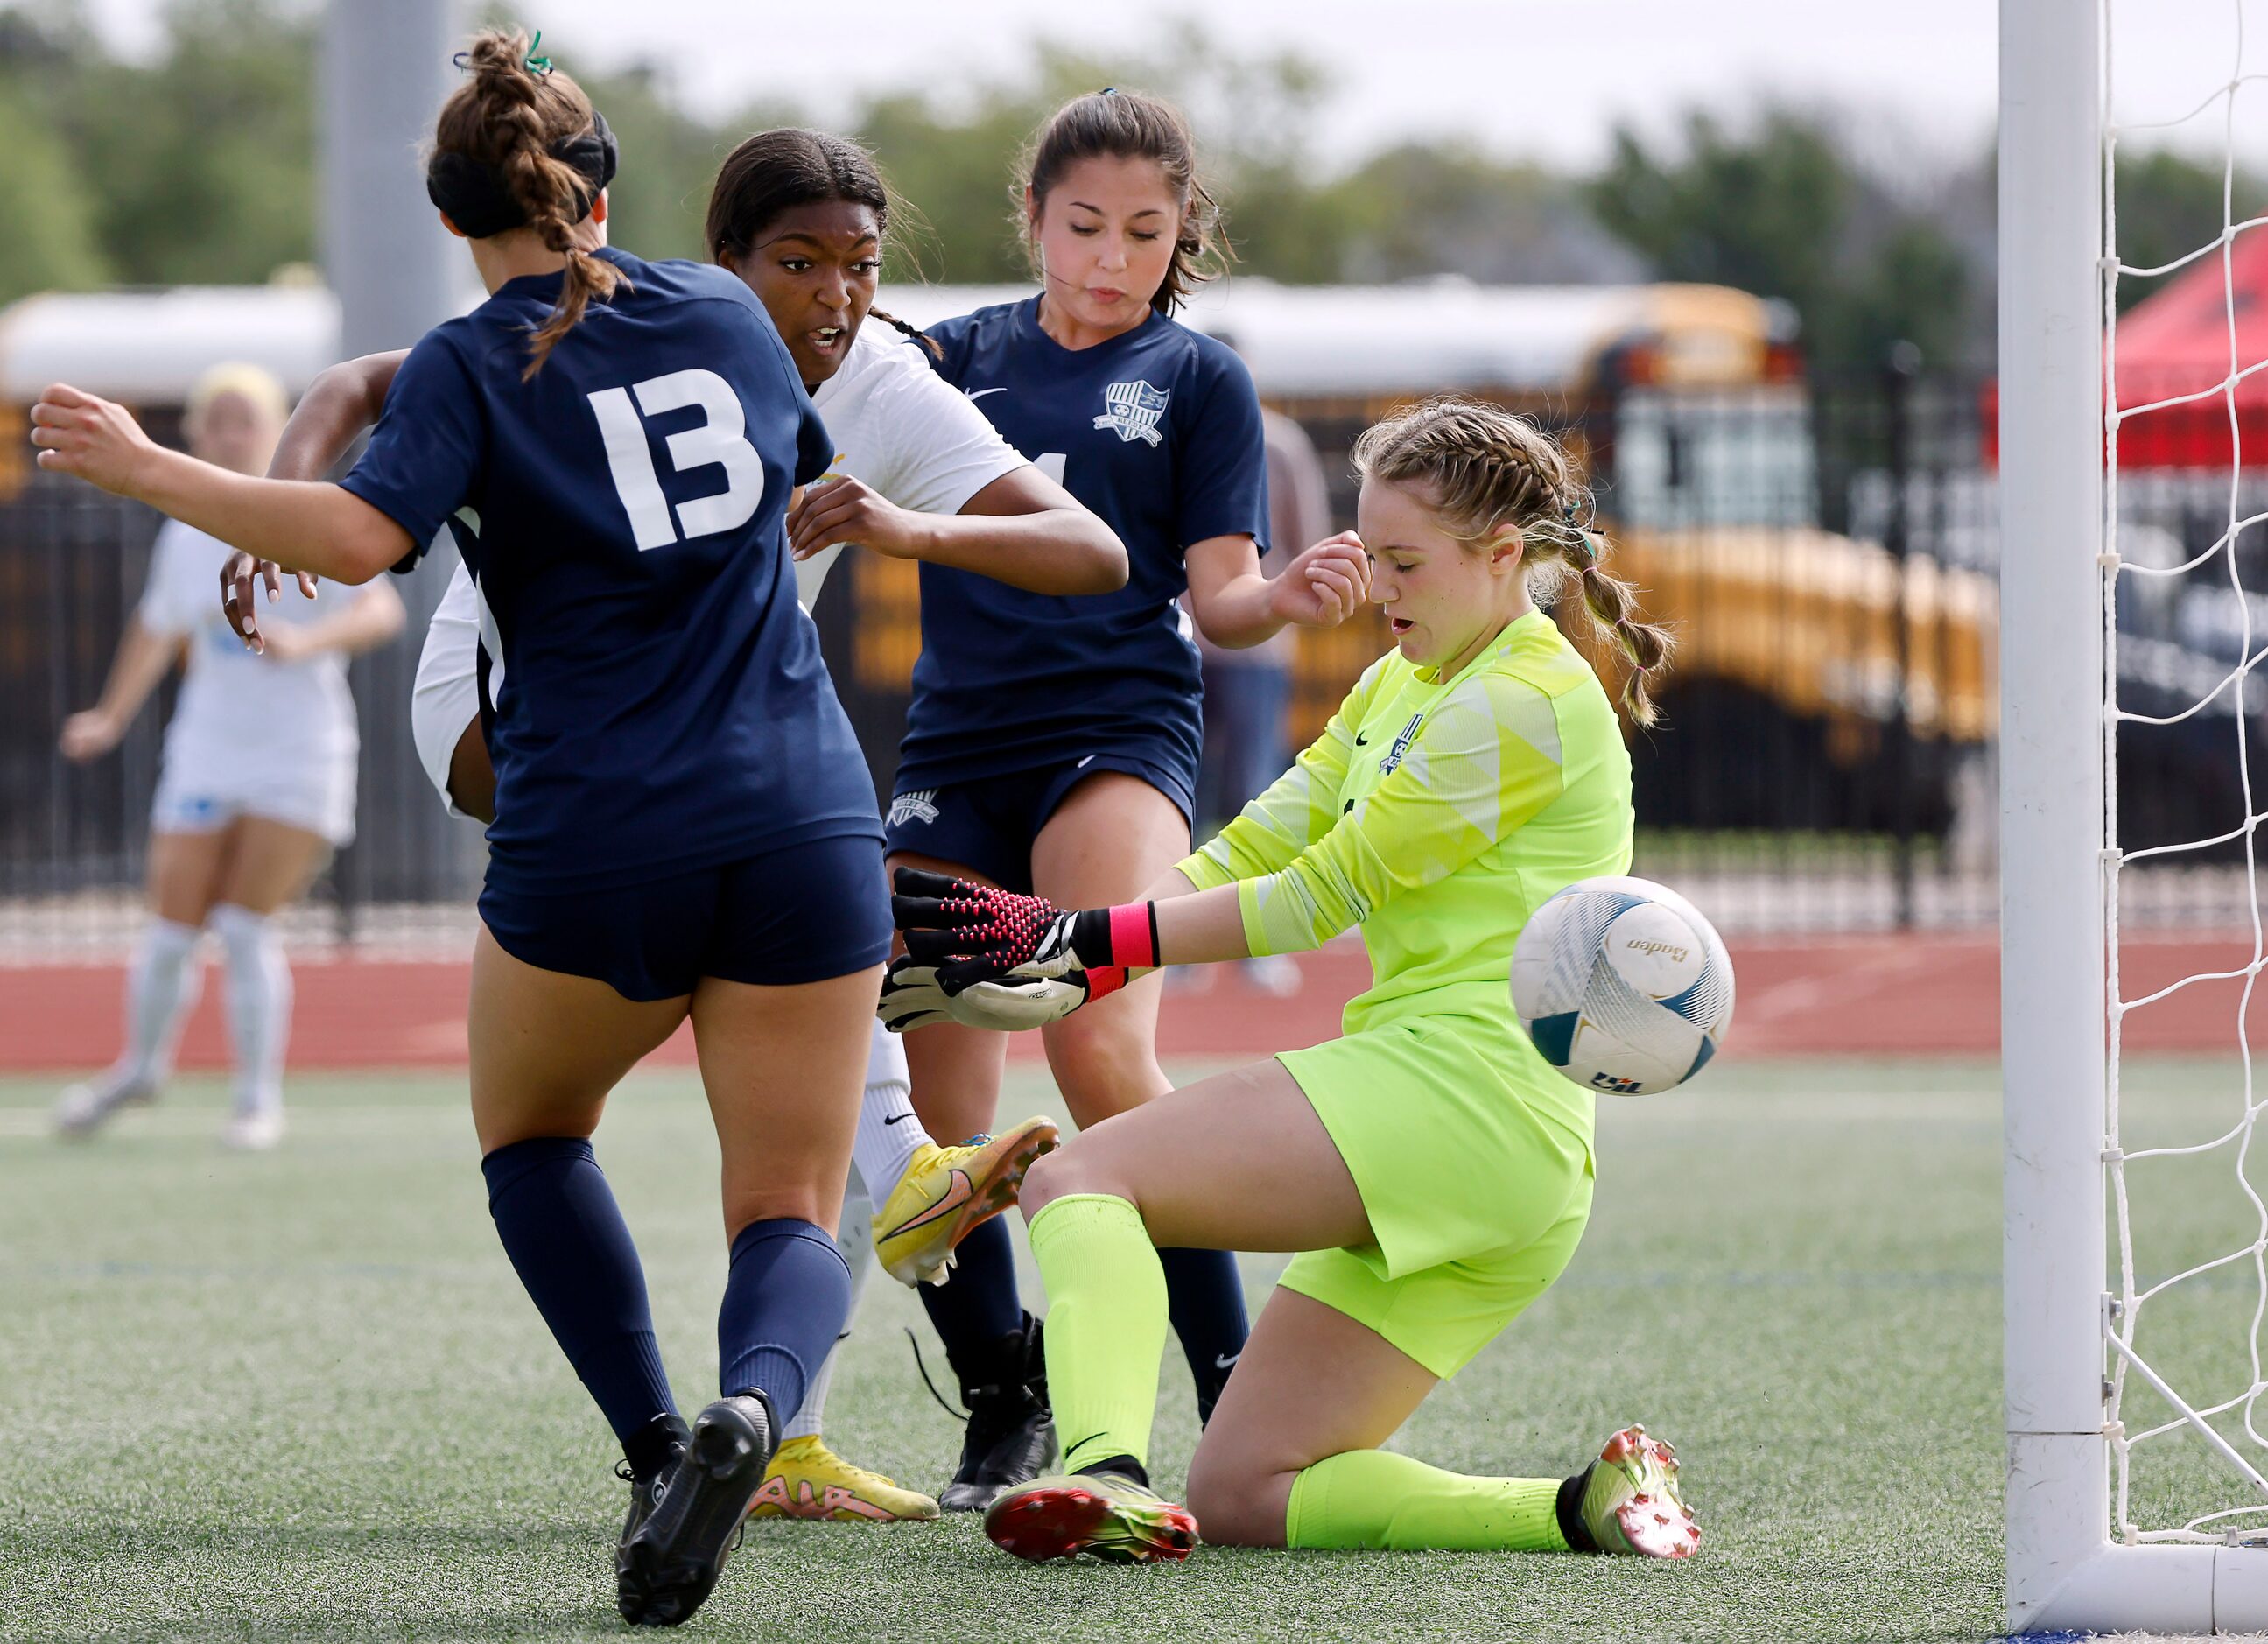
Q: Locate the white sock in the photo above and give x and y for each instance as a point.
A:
(259, 1004)
(162, 985)
(889, 1134)
(857, 1237)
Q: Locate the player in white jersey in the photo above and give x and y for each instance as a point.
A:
(921, 473)
(241, 823)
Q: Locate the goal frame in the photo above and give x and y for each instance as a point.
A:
(2065, 1572)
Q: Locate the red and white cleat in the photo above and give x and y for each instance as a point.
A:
(1101, 1515)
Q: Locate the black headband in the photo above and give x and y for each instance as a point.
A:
(480, 201)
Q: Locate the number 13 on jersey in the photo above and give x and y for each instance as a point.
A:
(720, 439)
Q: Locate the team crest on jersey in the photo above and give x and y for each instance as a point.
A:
(1133, 409)
(918, 806)
(1392, 760)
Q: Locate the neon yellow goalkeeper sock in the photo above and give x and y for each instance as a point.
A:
(1105, 1325)
(1375, 1499)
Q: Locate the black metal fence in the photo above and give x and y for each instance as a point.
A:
(1825, 550)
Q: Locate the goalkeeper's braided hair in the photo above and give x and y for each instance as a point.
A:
(1484, 470)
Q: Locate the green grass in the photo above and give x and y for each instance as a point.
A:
(302, 1397)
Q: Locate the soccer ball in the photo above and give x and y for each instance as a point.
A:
(1623, 985)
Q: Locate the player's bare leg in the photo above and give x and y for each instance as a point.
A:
(1241, 1160)
(1236, 1162)
(949, 1192)
(546, 1049)
(956, 1071)
(1113, 838)
(783, 1066)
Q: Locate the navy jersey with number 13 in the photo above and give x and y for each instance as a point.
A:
(1156, 430)
(660, 702)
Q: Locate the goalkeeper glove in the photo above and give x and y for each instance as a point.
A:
(976, 933)
(912, 998)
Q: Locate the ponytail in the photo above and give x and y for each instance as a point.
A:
(908, 330)
(520, 146)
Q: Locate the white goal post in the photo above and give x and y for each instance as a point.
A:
(2065, 1569)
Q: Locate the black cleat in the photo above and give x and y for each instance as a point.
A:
(1012, 1433)
(645, 1492)
(674, 1552)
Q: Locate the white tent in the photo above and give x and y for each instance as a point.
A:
(146, 347)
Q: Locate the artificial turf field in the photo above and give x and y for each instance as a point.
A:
(301, 1396)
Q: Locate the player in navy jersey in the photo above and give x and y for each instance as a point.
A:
(684, 827)
(800, 215)
(1053, 742)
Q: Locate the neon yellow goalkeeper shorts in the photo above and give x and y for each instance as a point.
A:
(1477, 1201)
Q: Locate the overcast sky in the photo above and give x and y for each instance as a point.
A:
(1548, 78)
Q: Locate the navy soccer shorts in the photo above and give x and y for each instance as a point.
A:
(989, 823)
(804, 912)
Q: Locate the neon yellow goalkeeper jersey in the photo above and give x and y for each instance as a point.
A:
(1439, 815)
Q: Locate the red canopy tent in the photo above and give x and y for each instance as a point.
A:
(2175, 342)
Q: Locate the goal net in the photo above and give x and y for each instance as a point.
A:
(2135, 557)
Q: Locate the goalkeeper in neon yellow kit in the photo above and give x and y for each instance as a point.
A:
(1434, 1172)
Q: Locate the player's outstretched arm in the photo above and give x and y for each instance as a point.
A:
(1022, 529)
(362, 620)
(342, 401)
(300, 526)
(143, 659)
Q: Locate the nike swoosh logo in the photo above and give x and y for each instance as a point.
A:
(1361, 740)
(1084, 763)
(894, 1117)
(959, 1193)
(979, 393)
(1226, 1362)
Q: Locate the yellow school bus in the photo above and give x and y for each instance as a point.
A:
(1687, 406)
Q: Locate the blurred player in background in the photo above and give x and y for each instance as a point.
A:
(1247, 693)
(1433, 1169)
(800, 216)
(685, 826)
(1052, 742)
(255, 791)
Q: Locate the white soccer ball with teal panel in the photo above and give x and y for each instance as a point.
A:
(1622, 985)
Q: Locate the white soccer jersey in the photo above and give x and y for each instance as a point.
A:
(249, 734)
(899, 426)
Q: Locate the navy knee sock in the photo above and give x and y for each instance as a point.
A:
(785, 1302)
(980, 1306)
(568, 1242)
(1204, 1298)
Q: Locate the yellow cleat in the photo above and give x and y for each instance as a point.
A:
(948, 1192)
(808, 1480)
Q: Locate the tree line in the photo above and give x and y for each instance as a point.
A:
(199, 165)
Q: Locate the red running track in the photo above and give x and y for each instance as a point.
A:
(1875, 995)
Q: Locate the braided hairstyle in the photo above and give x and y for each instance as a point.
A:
(775, 171)
(1127, 125)
(508, 116)
(1484, 469)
